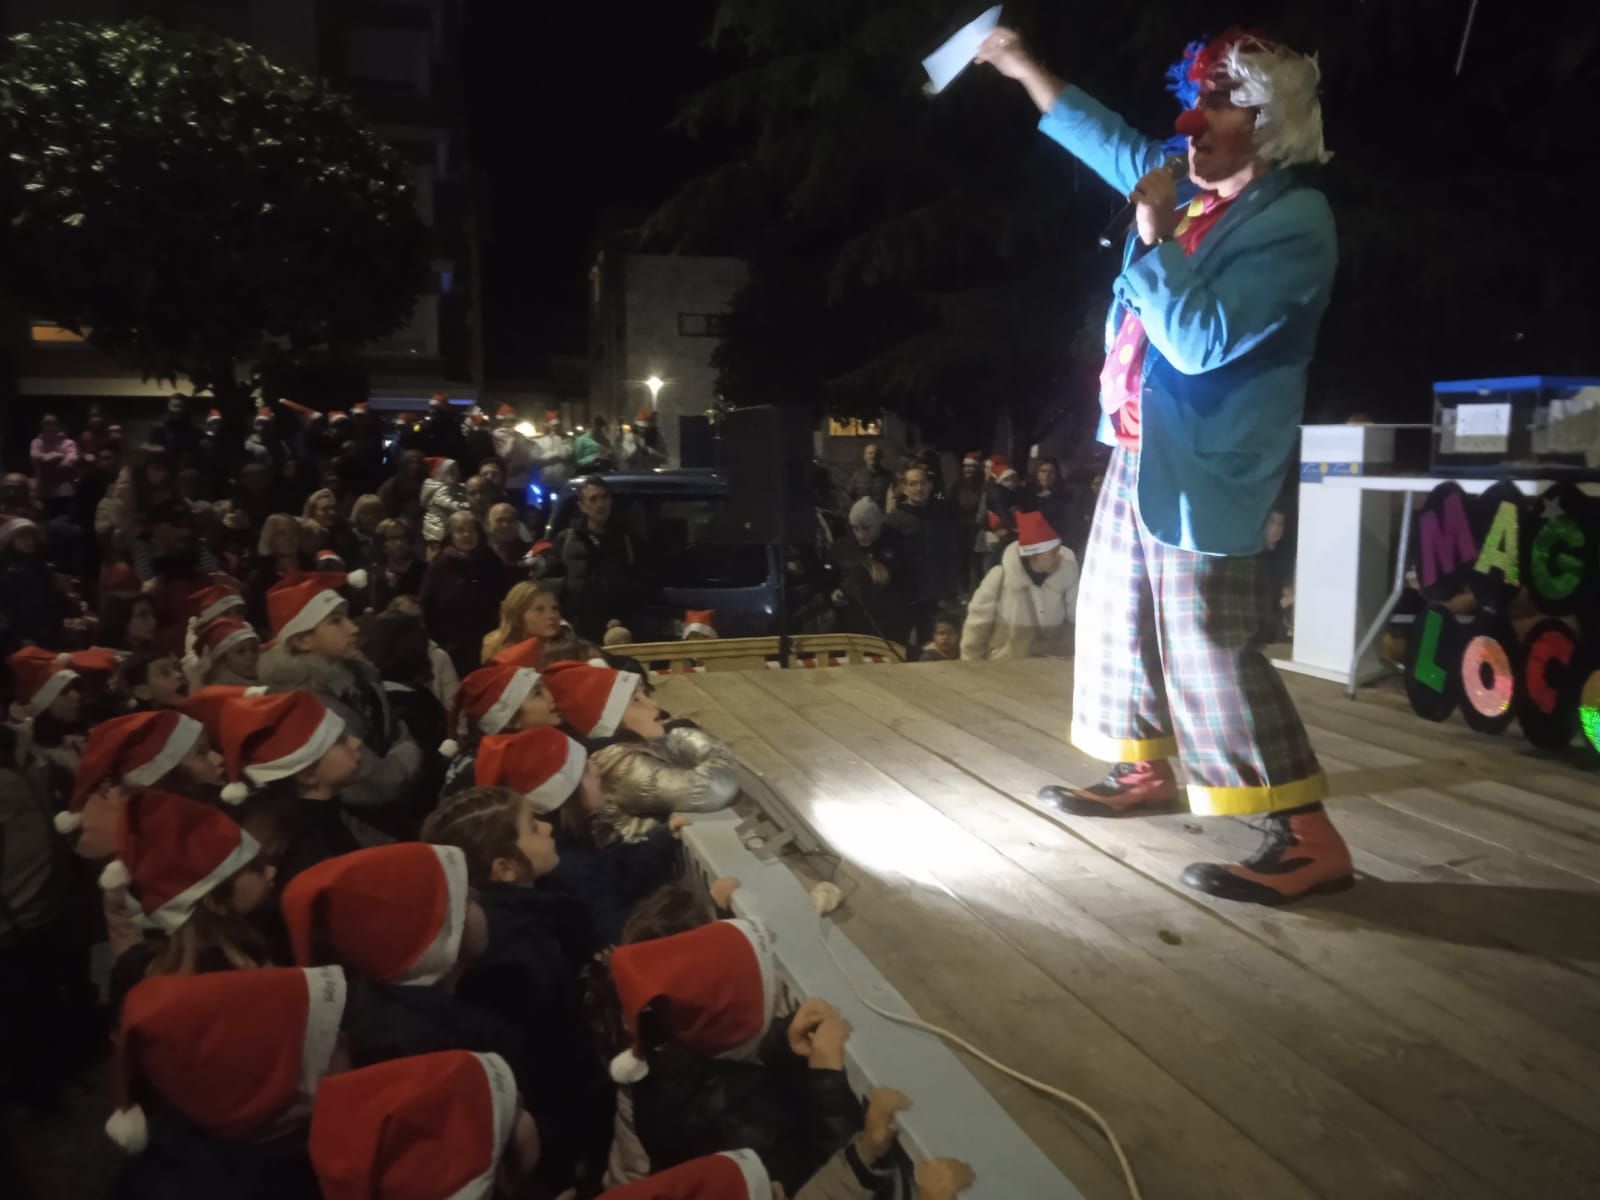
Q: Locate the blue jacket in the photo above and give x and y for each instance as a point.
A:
(1231, 329)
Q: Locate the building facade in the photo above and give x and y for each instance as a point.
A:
(657, 317)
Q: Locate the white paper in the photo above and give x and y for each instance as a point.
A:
(950, 59)
(1483, 428)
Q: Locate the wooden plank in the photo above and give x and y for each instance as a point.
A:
(1297, 1110)
(1410, 979)
(998, 991)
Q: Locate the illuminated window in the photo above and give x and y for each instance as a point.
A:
(45, 331)
(854, 427)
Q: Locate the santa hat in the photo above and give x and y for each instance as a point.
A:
(443, 469)
(731, 1175)
(337, 416)
(542, 764)
(394, 913)
(526, 653)
(230, 1050)
(713, 987)
(552, 414)
(700, 620)
(263, 416)
(174, 852)
(643, 417)
(119, 579)
(432, 1125)
(972, 458)
(266, 738)
(591, 699)
(11, 526)
(214, 415)
(220, 636)
(39, 675)
(1034, 535)
(439, 400)
(302, 601)
(999, 468)
(137, 750)
(360, 408)
(300, 412)
(205, 705)
(490, 696)
(505, 410)
(209, 603)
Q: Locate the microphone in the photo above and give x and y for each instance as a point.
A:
(1117, 228)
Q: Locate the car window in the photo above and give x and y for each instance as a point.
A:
(687, 537)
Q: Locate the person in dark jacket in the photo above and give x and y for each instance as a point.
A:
(931, 538)
(461, 592)
(1048, 495)
(602, 571)
(690, 1090)
(872, 480)
(33, 607)
(400, 573)
(875, 577)
(539, 937)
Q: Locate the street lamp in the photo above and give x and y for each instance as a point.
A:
(655, 384)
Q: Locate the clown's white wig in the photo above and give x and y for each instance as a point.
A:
(1267, 76)
(1282, 86)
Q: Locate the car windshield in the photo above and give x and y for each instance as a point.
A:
(688, 539)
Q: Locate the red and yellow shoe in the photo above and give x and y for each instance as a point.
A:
(1302, 854)
(1131, 790)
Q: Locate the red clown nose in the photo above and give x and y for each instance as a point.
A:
(1191, 123)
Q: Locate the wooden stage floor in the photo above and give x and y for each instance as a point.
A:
(1434, 1032)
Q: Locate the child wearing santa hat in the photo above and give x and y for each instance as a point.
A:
(315, 648)
(162, 749)
(704, 1065)
(215, 1075)
(553, 774)
(444, 1125)
(493, 699)
(643, 784)
(539, 939)
(441, 497)
(195, 878)
(228, 653)
(600, 704)
(287, 759)
(48, 708)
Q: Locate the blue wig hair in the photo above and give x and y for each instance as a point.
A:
(1182, 79)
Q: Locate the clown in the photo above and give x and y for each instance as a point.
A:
(1212, 325)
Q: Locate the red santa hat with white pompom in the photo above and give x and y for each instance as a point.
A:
(266, 738)
(712, 990)
(490, 697)
(230, 1050)
(543, 764)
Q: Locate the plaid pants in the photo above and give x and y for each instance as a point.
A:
(1169, 661)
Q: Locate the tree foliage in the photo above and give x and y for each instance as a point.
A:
(181, 200)
(936, 254)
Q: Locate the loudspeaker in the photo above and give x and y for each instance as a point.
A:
(766, 452)
(697, 442)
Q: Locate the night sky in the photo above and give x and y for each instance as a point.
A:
(568, 107)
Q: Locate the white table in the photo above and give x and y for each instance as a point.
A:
(1368, 556)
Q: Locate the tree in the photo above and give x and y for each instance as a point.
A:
(936, 255)
(184, 203)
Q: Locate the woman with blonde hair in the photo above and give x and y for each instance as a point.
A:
(280, 550)
(531, 609)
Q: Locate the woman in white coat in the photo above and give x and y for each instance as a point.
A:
(1024, 607)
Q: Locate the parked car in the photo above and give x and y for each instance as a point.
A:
(679, 519)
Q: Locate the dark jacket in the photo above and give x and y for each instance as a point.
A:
(381, 590)
(528, 978)
(870, 483)
(32, 609)
(384, 1021)
(929, 535)
(793, 1117)
(879, 610)
(603, 578)
(608, 882)
(181, 1163)
(461, 595)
